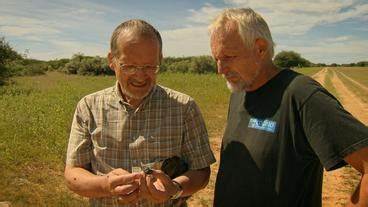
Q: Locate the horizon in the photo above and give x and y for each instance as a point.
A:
(329, 31)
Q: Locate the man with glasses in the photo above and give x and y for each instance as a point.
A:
(136, 123)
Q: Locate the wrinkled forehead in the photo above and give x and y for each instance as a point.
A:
(130, 40)
(138, 50)
(131, 43)
(226, 37)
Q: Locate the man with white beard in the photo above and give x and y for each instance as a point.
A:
(282, 127)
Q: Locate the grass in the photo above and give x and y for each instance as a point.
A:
(310, 71)
(36, 113)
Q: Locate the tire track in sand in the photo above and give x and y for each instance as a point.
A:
(338, 184)
(350, 101)
(361, 86)
(320, 76)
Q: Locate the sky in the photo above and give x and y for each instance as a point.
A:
(322, 31)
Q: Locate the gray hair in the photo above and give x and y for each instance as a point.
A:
(137, 27)
(251, 26)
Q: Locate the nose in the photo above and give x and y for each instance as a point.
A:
(221, 67)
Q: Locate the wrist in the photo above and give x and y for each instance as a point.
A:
(105, 185)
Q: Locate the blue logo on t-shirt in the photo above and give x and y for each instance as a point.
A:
(262, 124)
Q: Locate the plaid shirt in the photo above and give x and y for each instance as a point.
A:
(109, 134)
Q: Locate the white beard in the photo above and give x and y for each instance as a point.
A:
(236, 87)
(135, 96)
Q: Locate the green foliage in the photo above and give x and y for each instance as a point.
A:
(57, 64)
(362, 64)
(26, 67)
(85, 65)
(198, 64)
(7, 54)
(290, 59)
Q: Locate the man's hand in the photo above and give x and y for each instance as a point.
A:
(157, 187)
(123, 184)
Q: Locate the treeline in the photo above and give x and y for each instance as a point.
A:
(86, 65)
(13, 63)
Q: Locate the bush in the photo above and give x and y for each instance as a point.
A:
(85, 65)
(26, 67)
(200, 64)
(290, 59)
(7, 54)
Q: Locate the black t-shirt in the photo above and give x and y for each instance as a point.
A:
(277, 141)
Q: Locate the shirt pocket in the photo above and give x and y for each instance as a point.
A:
(154, 145)
(107, 145)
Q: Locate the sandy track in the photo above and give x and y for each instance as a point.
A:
(361, 86)
(351, 102)
(338, 185)
(320, 76)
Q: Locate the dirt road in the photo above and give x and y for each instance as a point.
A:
(338, 185)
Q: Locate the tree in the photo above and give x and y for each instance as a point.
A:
(202, 64)
(7, 54)
(289, 59)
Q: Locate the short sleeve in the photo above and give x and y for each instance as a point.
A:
(332, 132)
(196, 148)
(80, 145)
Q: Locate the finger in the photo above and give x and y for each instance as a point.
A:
(124, 179)
(125, 189)
(161, 176)
(129, 198)
(156, 194)
(143, 191)
(119, 171)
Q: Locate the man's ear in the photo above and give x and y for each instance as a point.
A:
(110, 59)
(261, 46)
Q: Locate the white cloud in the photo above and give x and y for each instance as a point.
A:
(205, 14)
(350, 50)
(287, 18)
(186, 41)
(27, 30)
(66, 48)
(339, 39)
(292, 17)
(55, 29)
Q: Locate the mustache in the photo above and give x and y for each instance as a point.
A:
(230, 74)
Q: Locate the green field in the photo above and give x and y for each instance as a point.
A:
(36, 114)
(308, 71)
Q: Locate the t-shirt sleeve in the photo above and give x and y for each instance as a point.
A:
(196, 148)
(332, 132)
(80, 145)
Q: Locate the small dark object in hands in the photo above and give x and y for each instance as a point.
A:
(174, 167)
(147, 168)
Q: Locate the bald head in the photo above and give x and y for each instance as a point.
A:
(133, 29)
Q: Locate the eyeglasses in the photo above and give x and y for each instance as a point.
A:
(131, 69)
